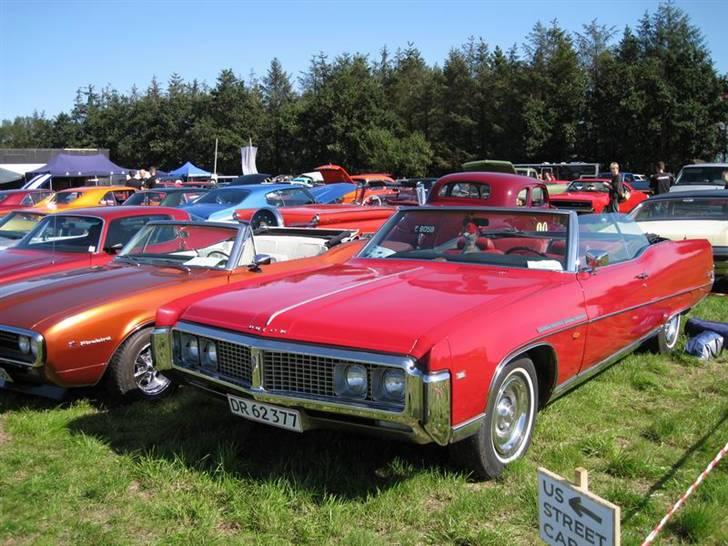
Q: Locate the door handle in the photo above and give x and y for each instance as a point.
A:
(642, 276)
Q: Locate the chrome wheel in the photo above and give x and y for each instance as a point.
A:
(513, 415)
(146, 377)
(672, 331)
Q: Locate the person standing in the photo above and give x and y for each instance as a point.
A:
(661, 181)
(151, 182)
(615, 188)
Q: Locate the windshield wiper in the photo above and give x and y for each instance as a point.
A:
(128, 259)
(175, 265)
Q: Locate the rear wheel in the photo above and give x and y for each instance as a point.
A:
(505, 433)
(263, 219)
(666, 339)
(131, 372)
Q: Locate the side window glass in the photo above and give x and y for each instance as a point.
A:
(122, 230)
(537, 197)
(274, 198)
(27, 201)
(108, 200)
(522, 198)
(618, 236)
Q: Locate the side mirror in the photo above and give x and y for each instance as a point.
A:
(113, 249)
(421, 193)
(260, 259)
(596, 259)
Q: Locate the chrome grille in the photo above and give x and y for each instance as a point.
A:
(9, 340)
(234, 360)
(582, 206)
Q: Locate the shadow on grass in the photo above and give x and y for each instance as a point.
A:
(674, 468)
(200, 432)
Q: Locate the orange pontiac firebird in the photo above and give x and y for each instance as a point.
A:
(81, 327)
(84, 197)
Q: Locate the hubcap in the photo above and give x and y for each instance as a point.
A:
(146, 377)
(510, 422)
(672, 331)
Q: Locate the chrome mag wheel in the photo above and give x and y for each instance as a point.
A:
(146, 377)
(672, 331)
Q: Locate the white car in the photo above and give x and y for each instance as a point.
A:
(689, 215)
(703, 176)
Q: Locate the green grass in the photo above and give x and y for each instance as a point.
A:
(185, 471)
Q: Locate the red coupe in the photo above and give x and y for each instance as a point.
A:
(454, 325)
(82, 238)
(589, 195)
(18, 199)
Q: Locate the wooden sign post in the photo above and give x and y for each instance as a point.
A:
(570, 515)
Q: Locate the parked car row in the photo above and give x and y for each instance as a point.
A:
(453, 323)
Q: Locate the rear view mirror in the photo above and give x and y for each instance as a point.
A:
(113, 249)
(596, 259)
(260, 259)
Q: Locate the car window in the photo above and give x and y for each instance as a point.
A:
(16, 224)
(686, 208)
(108, 200)
(66, 197)
(702, 175)
(65, 233)
(122, 230)
(469, 190)
(181, 198)
(619, 236)
(289, 198)
(522, 198)
(27, 201)
(224, 196)
(537, 197)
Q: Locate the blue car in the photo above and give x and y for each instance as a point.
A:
(219, 204)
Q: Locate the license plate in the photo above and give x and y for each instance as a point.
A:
(265, 413)
(5, 376)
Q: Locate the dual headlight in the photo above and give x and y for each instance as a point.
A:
(28, 346)
(194, 351)
(352, 381)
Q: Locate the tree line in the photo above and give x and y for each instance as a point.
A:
(650, 93)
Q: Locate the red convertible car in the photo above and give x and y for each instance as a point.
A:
(591, 195)
(82, 238)
(454, 325)
(466, 188)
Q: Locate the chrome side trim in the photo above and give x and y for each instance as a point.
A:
(524, 349)
(34, 336)
(466, 428)
(162, 348)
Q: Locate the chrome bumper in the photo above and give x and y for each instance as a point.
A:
(425, 417)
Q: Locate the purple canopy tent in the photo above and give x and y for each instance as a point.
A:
(67, 165)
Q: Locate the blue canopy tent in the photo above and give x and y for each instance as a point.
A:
(188, 170)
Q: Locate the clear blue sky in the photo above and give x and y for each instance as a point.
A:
(50, 48)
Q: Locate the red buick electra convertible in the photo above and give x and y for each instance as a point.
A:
(453, 326)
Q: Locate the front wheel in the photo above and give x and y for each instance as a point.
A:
(263, 219)
(131, 372)
(505, 433)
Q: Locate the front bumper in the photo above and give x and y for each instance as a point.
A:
(423, 418)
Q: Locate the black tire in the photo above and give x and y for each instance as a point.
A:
(478, 453)
(666, 339)
(124, 377)
(263, 218)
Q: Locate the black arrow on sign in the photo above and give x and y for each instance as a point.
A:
(580, 509)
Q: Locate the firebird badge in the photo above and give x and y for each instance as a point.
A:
(87, 342)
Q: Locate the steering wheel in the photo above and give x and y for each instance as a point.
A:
(521, 249)
(219, 254)
(373, 201)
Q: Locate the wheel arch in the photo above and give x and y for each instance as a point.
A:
(127, 335)
(544, 359)
(273, 211)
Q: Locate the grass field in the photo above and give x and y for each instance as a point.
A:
(185, 471)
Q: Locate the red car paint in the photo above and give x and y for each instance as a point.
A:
(595, 201)
(20, 263)
(19, 199)
(465, 318)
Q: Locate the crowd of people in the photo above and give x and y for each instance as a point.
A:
(142, 179)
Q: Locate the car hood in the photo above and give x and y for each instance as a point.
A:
(716, 231)
(15, 262)
(38, 303)
(581, 196)
(329, 193)
(392, 306)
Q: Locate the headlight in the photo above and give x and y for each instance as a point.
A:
(389, 385)
(24, 344)
(209, 354)
(190, 349)
(351, 381)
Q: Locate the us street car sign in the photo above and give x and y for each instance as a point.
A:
(570, 515)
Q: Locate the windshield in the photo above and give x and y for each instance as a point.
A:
(528, 240)
(702, 175)
(582, 185)
(187, 245)
(65, 197)
(65, 234)
(224, 196)
(173, 199)
(16, 224)
(145, 198)
(687, 208)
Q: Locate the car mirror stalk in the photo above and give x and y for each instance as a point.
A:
(260, 259)
(596, 259)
